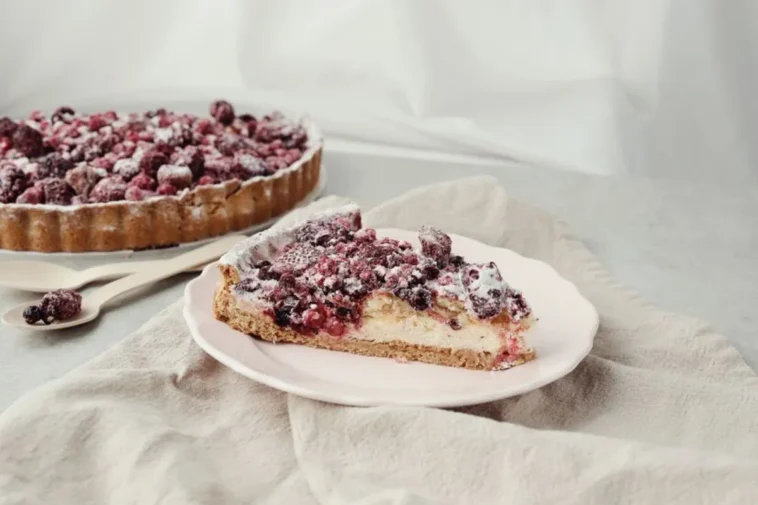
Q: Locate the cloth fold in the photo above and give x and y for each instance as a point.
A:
(664, 410)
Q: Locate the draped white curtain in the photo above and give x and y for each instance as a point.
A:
(651, 87)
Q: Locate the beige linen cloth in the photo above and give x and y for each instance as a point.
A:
(663, 411)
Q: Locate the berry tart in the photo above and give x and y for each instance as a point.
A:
(329, 283)
(108, 181)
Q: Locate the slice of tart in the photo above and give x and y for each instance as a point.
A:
(329, 283)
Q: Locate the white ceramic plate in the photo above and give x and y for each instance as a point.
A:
(562, 338)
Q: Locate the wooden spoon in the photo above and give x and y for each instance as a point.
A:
(162, 269)
(42, 276)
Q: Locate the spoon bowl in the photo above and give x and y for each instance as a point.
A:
(15, 317)
(157, 270)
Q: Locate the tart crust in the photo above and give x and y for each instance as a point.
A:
(204, 212)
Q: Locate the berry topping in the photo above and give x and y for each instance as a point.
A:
(335, 327)
(83, 178)
(435, 244)
(175, 175)
(28, 141)
(60, 305)
(143, 182)
(222, 111)
(33, 314)
(134, 194)
(57, 191)
(485, 289)
(318, 278)
(167, 190)
(246, 165)
(54, 165)
(7, 127)
(126, 168)
(12, 183)
(151, 162)
(33, 196)
(135, 146)
(190, 157)
(109, 189)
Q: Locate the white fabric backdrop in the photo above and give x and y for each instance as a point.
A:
(650, 87)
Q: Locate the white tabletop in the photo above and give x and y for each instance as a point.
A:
(689, 247)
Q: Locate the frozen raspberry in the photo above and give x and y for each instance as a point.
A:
(83, 178)
(126, 168)
(12, 183)
(246, 166)
(366, 235)
(297, 137)
(143, 182)
(106, 143)
(292, 155)
(435, 244)
(106, 163)
(28, 141)
(220, 168)
(335, 327)
(97, 121)
(109, 189)
(206, 180)
(32, 196)
(274, 163)
(313, 319)
(267, 132)
(228, 144)
(485, 288)
(5, 145)
(124, 149)
(167, 190)
(57, 191)
(54, 165)
(64, 114)
(190, 157)
(151, 161)
(179, 177)
(134, 194)
(203, 126)
(60, 305)
(7, 127)
(222, 111)
(263, 150)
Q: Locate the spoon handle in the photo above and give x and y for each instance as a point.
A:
(116, 270)
(163, 269)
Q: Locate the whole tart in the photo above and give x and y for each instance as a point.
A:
(109, 181)
(330, 283)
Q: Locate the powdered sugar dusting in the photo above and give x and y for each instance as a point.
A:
(315, 274)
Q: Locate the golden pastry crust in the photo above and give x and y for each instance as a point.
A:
(204, 212)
